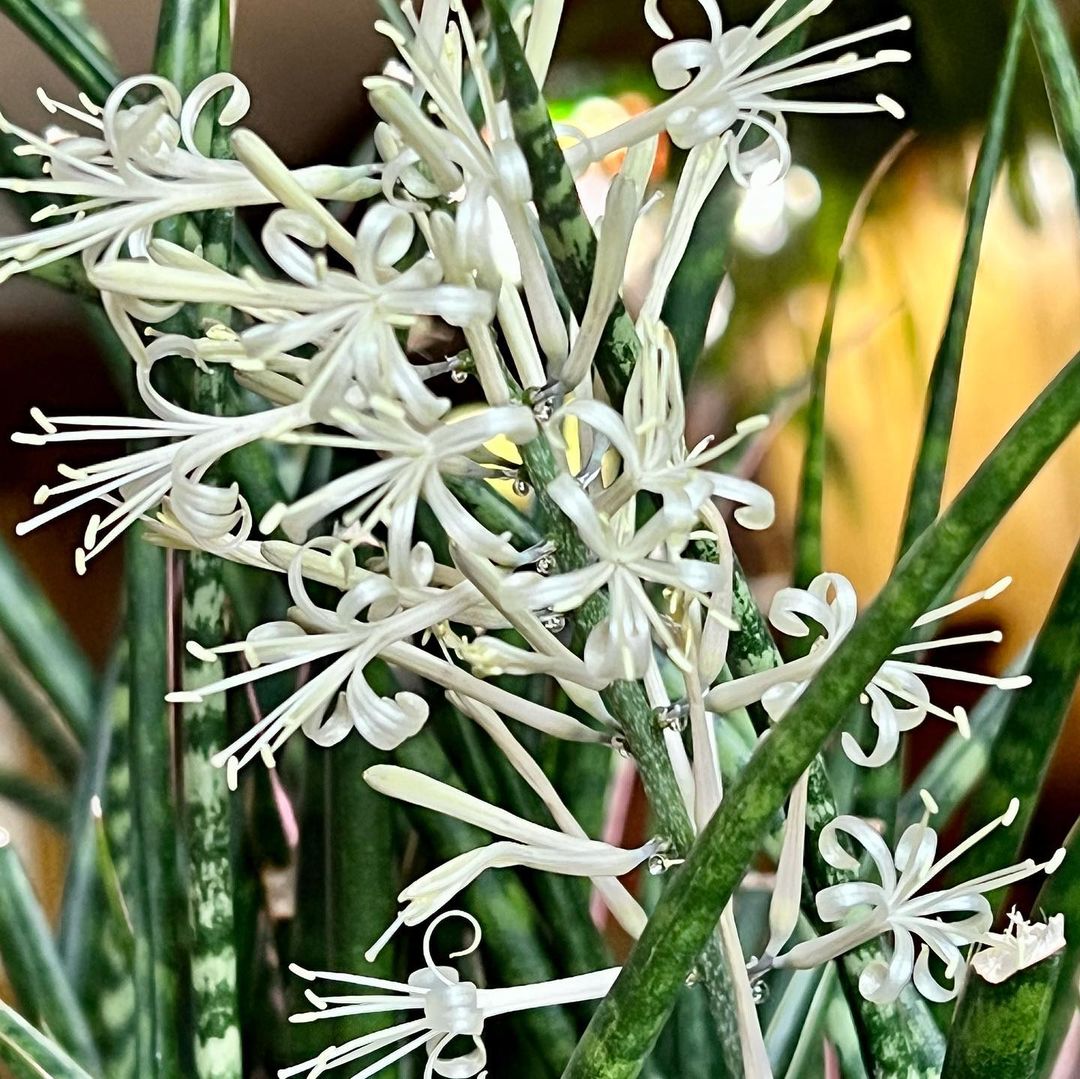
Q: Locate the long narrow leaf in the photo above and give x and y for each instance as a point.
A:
(808, 560)
(629, 1019)
(928, 478)
(33, 964)
(38, 717)
(1033, 723)
(66, 42)
(1061, 894)
(1062, 80)
(81, 882)
(44, 645)
(46, 803)
(28, 1054)
(155, 898)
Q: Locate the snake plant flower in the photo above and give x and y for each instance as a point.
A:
(447, 1008)
(946, 920)
(524, 844)
(134, 165)
(343, 644)
(627, 560)
(412, 464)
(1022, 945)
(133, 485)
(351, 316)
(830, 601)
(650, 438)
(727, 86)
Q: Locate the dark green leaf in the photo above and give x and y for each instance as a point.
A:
(67, 42)
(44, 645)
(928, 478)
(998, 1028)
(1062, 79)
(155, 899)
(33, 964)
(29, 1054)
(48, 804)
(1034, 718)
(1061, 895)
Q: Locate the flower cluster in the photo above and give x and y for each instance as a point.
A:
(408, 570)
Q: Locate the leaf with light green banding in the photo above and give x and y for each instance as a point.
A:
(66, 42)
(48, 804)
(928, 477)
(1062, 79)
(629, 1019)
(29, 1054)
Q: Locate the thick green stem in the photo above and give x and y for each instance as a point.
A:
(631, 1016)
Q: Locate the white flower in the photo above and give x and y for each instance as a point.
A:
(1022, 945)
(493, 170)
(620, 646)
(413, 459)
(448, 1008)
(347, 644)
(830, 601)
(946, 920)
(134, 484)
(351, 316)
(722, 90)
(139, 165)
(528, 845)
(650, 438)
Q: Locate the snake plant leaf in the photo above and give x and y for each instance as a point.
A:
(998, 1028)
(81, 882)
(1061, 894)
(808, 560)
(1061, 77)
(928, 477)
(67, 42)
(629, 1019)
(1032, 725)
(33, 964)
(44, 645)
(46, 803)
(156, 901)
(29, 1054)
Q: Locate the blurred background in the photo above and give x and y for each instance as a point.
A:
(304, 64)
